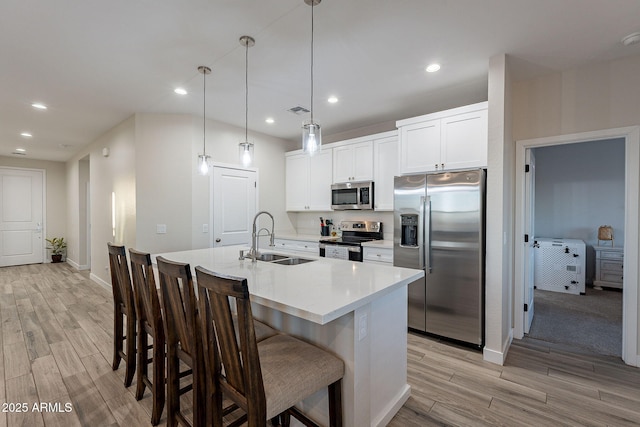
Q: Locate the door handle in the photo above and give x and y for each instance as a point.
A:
(427, 232)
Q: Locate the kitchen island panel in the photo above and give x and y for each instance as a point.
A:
(372, 342)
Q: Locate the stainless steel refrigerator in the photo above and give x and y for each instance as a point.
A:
(439, 226)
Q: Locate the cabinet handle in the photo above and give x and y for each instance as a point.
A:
(436, 166)
(442, 164)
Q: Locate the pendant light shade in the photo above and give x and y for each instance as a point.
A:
(311, 137)
(311, 134)
(204, 161)
(245, 148)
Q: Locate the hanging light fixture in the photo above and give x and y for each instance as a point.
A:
(246, 148)
(204, 160)
(311, 135)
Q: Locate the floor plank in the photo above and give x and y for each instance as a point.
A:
(56, 345)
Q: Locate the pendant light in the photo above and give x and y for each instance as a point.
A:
(311, 135)
(204, 161)
(246, 148)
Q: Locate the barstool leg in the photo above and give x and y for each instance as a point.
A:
(117, 338)
(131, 352)
(143, 369)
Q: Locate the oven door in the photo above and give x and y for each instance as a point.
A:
(345, 252)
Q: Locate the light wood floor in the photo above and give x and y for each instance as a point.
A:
(56, 349)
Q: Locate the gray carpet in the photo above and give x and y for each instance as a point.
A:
(592, 322)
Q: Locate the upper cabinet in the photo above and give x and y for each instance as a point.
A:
(447, 140)
(386, 165)
(353, 161)
(308, 181)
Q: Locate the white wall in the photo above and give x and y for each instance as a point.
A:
(163, 181)
(151, 169)
(56, 192)
(500, 205)
(578, 188)
(171, 192)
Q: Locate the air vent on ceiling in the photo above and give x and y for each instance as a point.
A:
(19, 154)
(298, 110)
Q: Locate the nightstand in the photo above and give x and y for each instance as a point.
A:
(609, 267)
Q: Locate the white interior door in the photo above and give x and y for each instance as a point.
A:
(234, 205)
(21, 214)
(529, 227)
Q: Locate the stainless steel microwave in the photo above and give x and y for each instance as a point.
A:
(352, 195)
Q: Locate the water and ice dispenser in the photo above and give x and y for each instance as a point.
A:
(409, 226)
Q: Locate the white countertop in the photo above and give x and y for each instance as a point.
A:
(379, 244)
(318, 291)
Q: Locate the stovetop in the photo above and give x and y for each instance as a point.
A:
(354, 233)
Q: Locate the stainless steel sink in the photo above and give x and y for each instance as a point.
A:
(272, 257)
(293, 261)
(283, 259)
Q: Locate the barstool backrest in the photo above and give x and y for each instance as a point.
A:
(120, 278)
(241, 378)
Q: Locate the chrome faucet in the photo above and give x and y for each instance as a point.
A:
(253, 252)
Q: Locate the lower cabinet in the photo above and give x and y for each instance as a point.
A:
(302, 246)
(377, 255)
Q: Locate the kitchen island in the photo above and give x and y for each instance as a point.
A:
(358, 311)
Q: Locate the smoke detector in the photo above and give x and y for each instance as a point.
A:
(632, 38)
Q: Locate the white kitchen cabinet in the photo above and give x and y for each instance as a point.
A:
(377, 255)
(386, 165)
(308, 181)
(464, 140)
(353, 162)
(420, 146)
(298, 246)
(447, 140)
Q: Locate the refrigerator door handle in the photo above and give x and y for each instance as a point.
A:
(426, 227)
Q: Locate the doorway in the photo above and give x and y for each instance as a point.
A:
(22, 195)
(631, 137)
(578, 187)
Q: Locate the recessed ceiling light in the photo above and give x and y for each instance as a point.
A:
(39, 106)
(332, 99)
(21, 150)
(26, 134)
(269, 120)
(180, 91)
(432, 68)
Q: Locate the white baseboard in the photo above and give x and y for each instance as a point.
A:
(498, 357)
(100, 282)
(394, 406)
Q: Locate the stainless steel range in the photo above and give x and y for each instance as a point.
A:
(349, 246)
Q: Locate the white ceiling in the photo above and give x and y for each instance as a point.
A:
(95, 63)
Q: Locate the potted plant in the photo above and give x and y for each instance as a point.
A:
(57, 246)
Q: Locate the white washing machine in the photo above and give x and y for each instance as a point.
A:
(559, 265)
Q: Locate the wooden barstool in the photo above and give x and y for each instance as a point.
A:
(181, 325)
(149, 317)
(123, 310)
(266, 378)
